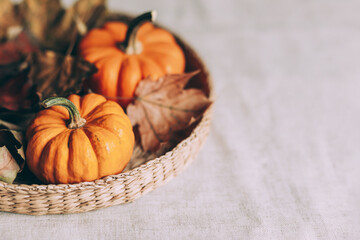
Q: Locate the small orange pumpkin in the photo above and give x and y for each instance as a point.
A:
(125, 55)
(80, 139)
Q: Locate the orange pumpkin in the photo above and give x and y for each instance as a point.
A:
(125, 55)
(79, 140)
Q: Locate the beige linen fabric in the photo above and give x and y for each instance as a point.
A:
(282, 158)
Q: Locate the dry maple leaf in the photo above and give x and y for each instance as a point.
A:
(40, 15)
(55, 74)
(47, 23)
(55, 27)
(86, 12)
(12, 158)
(162, 107)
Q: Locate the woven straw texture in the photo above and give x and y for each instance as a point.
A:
(40, 199)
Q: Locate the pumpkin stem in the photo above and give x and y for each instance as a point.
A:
(75, 121)
(130, 46)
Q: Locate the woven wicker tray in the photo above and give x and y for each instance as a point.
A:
(40, 199)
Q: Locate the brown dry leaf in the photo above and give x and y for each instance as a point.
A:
(12, 158)
(16, 49)
(55, 27)
(15, 90)
(84, 13)
(163, 107)
(11, 70)
(55, 74)
(40, 17)
(9, 19)
(17, 94)
(14, 42)
(48, 23)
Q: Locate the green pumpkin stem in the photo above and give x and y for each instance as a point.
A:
(129, 45)
(75, 121)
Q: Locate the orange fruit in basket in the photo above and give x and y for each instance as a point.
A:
(80, 139)
(124, 55)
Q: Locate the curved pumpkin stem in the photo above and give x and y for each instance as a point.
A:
(129, 45)
(75, 121)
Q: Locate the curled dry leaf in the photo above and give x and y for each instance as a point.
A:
(47, 23)
(17, 94)
(11, 70)
(82, 15)
(162, 107)
(9, 19)
(20, 118)
(15, 49)
(15, 91)
(40, 16)
(12, 158)
(54, 74)
(14, 42)
(55, 27)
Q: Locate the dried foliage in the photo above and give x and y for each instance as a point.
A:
(163, 107)
(54, 74)
(12, 158)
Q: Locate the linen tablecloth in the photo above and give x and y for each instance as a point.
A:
(282, 160)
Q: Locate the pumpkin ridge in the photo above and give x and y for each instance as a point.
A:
(158, 35)
(109, 115)
(89, 115)
(86, 129)
(121, 141)
(165, 48)
(130, 70)
(41, 157)
(58, 163)
(123, 123)
(144, 62)
(159, 55)
(38, 138)
(107, 129)
(70, 172)
(102, 36)
(108, 71)
(158, 58)
(115, 52)
(95, 54)
(84, 102)
(40, 128)
(86, 162)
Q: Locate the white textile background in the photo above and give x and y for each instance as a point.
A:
(283, 157)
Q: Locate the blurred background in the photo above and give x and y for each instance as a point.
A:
(282, 158)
